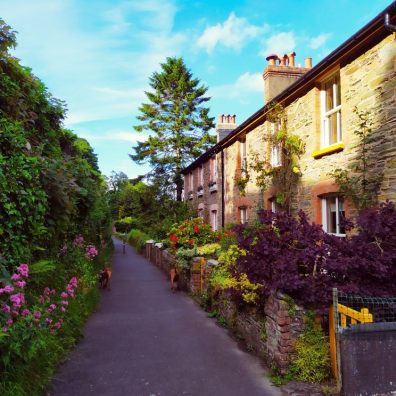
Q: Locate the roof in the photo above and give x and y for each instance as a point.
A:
(370, 34)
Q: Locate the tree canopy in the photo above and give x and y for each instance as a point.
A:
(178, 123)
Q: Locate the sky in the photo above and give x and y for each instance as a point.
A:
(98, 55)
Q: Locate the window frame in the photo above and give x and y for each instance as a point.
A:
(336, 109)
(243, 215)
(213, 219)
(243, 156)
(324, 206)
(275, 148)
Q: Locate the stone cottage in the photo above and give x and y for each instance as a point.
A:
(318, 103)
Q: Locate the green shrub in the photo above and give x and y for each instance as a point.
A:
(125, 225)
(312, 363)
(138, 239)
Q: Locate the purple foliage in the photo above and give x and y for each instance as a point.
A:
(298, 258)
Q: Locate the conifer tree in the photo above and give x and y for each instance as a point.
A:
(178, 123)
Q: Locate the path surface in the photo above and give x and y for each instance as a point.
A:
(144, 340)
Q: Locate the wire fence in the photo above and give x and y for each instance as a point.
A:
(354, 309)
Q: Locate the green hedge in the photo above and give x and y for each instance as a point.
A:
(138, 239)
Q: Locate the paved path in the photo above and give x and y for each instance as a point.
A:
(144, 340)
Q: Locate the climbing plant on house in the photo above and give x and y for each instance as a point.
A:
(284, 175)
(359, 183)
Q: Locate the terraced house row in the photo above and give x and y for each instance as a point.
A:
(318, 107)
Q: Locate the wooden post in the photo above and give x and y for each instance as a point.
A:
(333, 342)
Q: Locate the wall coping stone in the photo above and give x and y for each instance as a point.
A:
(212, 263)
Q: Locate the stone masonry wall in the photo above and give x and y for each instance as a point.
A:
(368, 82)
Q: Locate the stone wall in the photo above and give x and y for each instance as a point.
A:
(271, 336)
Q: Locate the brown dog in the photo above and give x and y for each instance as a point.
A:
(104, 278)
(174, 277)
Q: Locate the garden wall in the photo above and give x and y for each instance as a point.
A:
(271, 336)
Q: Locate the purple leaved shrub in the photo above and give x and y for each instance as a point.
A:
(298, 258)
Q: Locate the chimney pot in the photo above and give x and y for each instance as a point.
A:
(308, 63)
(283, 60)
(233, 119)
(292, 57)
(272, 58)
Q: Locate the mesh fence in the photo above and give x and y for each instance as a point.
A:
(352, 309)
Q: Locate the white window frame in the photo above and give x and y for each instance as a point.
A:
(276, 158)
(201, 174)
(274, 206)
(243, 215)
(325, 115)
(243, 155)
(325, 224)
(213, 220)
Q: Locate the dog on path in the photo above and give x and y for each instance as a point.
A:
(104, 278)
(174, 277)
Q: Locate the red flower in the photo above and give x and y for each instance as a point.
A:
(196, 229)
(173, 238)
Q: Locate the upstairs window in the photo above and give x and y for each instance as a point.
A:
(200, 176)
(213, 169)
(243, 156)
(276, 159)
(332, 214)
(331, 111)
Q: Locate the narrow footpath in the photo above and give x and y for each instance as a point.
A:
(145, 340)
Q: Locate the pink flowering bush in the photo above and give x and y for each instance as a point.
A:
(91, 252)
(48, 312)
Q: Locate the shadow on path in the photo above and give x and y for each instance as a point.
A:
(145, 340)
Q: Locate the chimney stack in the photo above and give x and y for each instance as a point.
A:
(280, 73)
(225, 125)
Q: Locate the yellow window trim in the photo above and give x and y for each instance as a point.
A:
(334, 148)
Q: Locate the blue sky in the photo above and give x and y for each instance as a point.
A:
(97, 55)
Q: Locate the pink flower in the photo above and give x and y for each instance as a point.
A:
(9, 322)
(48, 320)
(63, 309)
(37, 315)
(51, 308)
(17, 300)
(6, 308)
(91, 252)
(64, 302)
(41, 300)
(78, 241)
(16, 277)
(21, 284)
(25, 312)
(23, 269)
(47, 290)
(8, 289)
(58, 325)
(15, 314)
(64, 295)
(5, 329)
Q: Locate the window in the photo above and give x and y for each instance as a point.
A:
(213, 219)
(213, 168)
(275, 207)
(201, 213)
(200, 175)
(243, 215)
(331, 111)
(276, 159)
(242, 146)
(332, 214)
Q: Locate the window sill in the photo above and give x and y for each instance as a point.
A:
(200, 193)
(334, 148)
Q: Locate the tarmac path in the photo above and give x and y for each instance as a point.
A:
(145, 340)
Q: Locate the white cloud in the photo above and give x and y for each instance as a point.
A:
(123, 136)
(244, 85)
(233, 33)
(318, 41)
(279, 44)
(73, 54)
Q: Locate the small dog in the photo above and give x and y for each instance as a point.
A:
(104, 278)
(174, 277)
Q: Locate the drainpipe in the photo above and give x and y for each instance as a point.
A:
(387, 22)
(222, 189)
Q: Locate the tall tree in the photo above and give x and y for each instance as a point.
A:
(179, 121)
